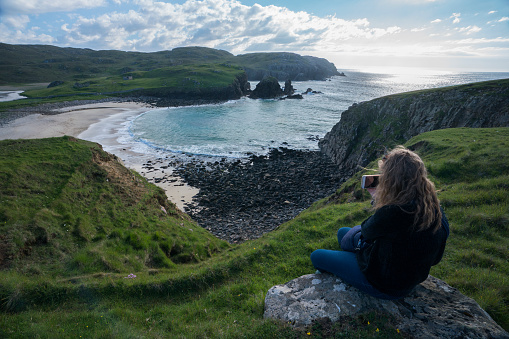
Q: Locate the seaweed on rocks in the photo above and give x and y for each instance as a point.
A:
(243, 199)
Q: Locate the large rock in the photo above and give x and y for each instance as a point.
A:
(433, 310)
(366, 128)
(268, 88)
(289, 90)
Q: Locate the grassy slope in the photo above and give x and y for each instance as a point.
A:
(21, 64)
(181, 70)
(224, 295)
(68, 208)
(173, 79)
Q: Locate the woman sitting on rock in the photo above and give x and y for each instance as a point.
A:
(393, 250)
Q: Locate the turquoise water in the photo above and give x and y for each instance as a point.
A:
(240, 127)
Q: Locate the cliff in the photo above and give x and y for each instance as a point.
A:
(366, 128)
(285, 66)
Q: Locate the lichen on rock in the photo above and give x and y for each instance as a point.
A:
(432, 310)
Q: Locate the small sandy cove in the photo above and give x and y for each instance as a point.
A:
(100, 123)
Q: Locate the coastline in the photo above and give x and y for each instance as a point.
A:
(101, 122)
(235, 200)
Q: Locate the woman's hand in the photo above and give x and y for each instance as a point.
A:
(372, 191)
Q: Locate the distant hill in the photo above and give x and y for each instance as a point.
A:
(284, 66)
(22, 64)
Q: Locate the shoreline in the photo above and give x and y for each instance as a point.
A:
(101, 122)
(235, 200)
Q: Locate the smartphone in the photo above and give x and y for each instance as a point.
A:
(370, 181)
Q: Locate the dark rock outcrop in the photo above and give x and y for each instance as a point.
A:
(295, 96)
(268, 88)
(432, 310)
(55, 83)
(366, 128)
(288, 90)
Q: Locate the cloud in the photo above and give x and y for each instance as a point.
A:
(47, 6)
(212, 23)
(16, 21)
(456, 17)
(24, 36)
(494, 22)
(155, 25)
(479, 41)
(469, 29)
(492, 12)
(411, 2)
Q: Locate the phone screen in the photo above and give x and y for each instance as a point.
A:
(370, 181)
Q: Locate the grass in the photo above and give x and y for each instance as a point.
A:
(21, 64)
(181, 81)
(222, 295)
(182, 78)
(68, 208)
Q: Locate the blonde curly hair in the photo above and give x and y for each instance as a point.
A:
(404, 179)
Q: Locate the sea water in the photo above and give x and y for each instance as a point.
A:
(238, 128)
(11, 95)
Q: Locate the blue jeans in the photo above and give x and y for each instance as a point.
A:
(344, 265)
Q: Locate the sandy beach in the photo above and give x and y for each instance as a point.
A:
(102, 123)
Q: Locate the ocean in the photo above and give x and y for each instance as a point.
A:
(10, 95)
(239, 128)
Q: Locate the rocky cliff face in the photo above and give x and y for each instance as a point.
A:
(366, 128)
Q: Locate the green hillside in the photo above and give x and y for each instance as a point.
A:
(22, 64)
(68, 208)
(172, 80)
(25, 64)
(73, 232)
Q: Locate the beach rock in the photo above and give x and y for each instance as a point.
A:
(432, 310)
(268, 88)
(288, 90)
(295, 96)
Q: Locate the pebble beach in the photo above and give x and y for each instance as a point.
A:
(236, 200)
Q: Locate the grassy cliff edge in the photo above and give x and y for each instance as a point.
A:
(220, 294)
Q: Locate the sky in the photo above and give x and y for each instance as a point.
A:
(463, 35)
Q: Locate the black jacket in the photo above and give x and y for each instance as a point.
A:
(395, 258)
